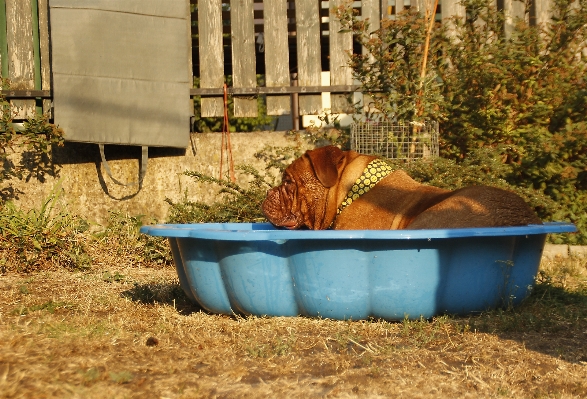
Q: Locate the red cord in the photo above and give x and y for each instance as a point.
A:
(226, 133)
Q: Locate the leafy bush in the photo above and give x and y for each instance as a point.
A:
(523, 96)
(391, 71)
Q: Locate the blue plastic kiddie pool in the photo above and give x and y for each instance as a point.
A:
(256, 269)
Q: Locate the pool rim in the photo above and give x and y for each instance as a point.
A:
(268, 232)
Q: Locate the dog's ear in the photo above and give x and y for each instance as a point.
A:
(325, 161)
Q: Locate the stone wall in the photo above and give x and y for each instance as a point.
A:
(88, 191)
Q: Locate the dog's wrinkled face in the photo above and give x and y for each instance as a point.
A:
(304, 198)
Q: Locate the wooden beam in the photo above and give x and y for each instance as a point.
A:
(253, 91)
(9, 94)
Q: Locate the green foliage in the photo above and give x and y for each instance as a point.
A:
(522, 94)
(206, 125)
(36, 140)
(39, 237)
(391, 71)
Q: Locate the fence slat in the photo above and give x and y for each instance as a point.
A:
(543, 11)
(44, 44)
(20, 54)
(450, 9)
(211, 54)
(399, 6)
(513, 10)
(309, 63)
(243, 55)
(340, 73)
(276, 54)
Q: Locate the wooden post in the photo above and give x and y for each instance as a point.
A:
(276, 54)
(243, 55)
(20, 55)
(309, 62)
(418, 5)
(44, 47)
(3, 40)
(340, 73)
(211, 54)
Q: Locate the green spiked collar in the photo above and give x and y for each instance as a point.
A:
(373, 174)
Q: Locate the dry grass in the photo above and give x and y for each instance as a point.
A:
(123, 330)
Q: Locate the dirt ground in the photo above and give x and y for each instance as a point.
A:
(127, 332)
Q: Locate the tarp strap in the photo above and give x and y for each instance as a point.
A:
(142, 171)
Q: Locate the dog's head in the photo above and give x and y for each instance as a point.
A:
(307, 194)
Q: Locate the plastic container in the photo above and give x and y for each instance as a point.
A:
(254, 268)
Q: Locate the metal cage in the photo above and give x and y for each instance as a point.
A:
(395, 140)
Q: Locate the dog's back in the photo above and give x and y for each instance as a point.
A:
(399, 202)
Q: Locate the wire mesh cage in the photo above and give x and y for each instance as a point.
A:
(395, 140)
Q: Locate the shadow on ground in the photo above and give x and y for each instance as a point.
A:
(553, 321)
(169, 294)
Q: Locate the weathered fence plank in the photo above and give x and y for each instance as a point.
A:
(44, 48)
(450, 9)
(513, 10)
(543, 11)
(341, 43)
(309, 63)
(211, 54)
(276, 54)
(20, 54)
(243, 55)
(3, 40)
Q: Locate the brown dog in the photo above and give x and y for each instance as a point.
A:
(345, 190)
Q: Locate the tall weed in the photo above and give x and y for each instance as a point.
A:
(39, 238)
(121, 235)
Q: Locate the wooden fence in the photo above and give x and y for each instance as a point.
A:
(289, 43)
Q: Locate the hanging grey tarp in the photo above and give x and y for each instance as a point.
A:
(122, 71)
